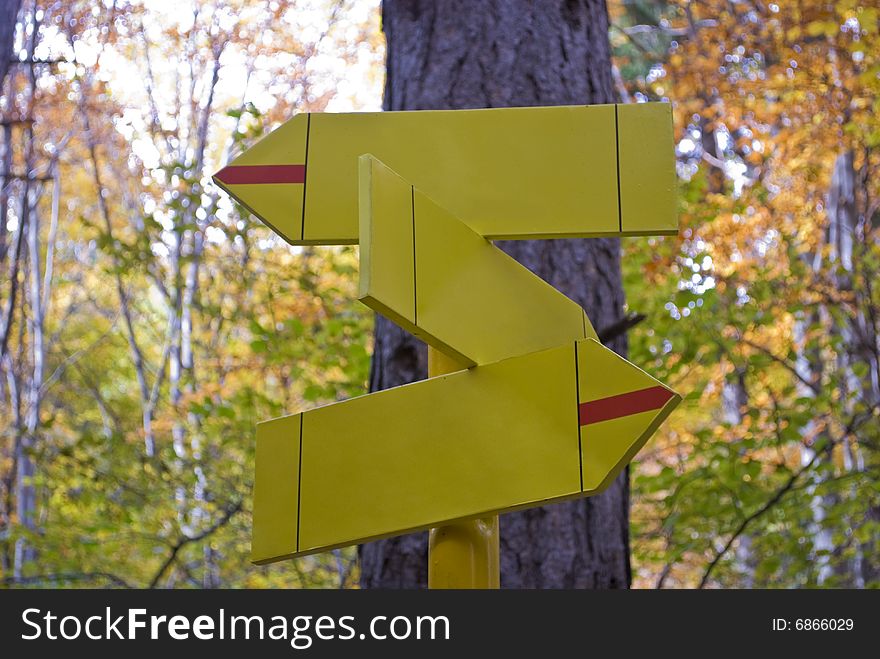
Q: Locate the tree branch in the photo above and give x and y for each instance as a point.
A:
(777, 496)
(619, 327)
(813, 386)
(186, 540)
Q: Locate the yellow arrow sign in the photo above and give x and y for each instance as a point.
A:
(545, 412)
(439, 279)
(498, 437)
(555, 172)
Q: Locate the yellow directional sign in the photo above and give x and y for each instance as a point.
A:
(554, 172)
(507, 435)
(540, 410)
(445, 283)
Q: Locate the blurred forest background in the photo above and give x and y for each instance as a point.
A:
(147, 323)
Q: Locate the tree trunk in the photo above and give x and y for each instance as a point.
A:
(498, 53)
(25, 492)
(735, 397)
(8, 14)
(847, 219)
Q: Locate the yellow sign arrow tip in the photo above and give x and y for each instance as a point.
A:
(269, 178)
(619, 408)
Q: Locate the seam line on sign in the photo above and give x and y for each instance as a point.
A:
(412, 201)
(617, 151)
(302, 226)
(299, 472)
(577, 390)
(584, 324)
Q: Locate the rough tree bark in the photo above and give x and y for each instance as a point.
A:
(460, 54)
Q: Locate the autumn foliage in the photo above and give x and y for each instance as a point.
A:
(770, 318)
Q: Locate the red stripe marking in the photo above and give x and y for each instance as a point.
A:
(240, 174)
(614, 407)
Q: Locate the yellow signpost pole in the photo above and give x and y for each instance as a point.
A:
(462, 554)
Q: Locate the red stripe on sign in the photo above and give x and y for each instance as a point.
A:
(241, 174)
(614, 407)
